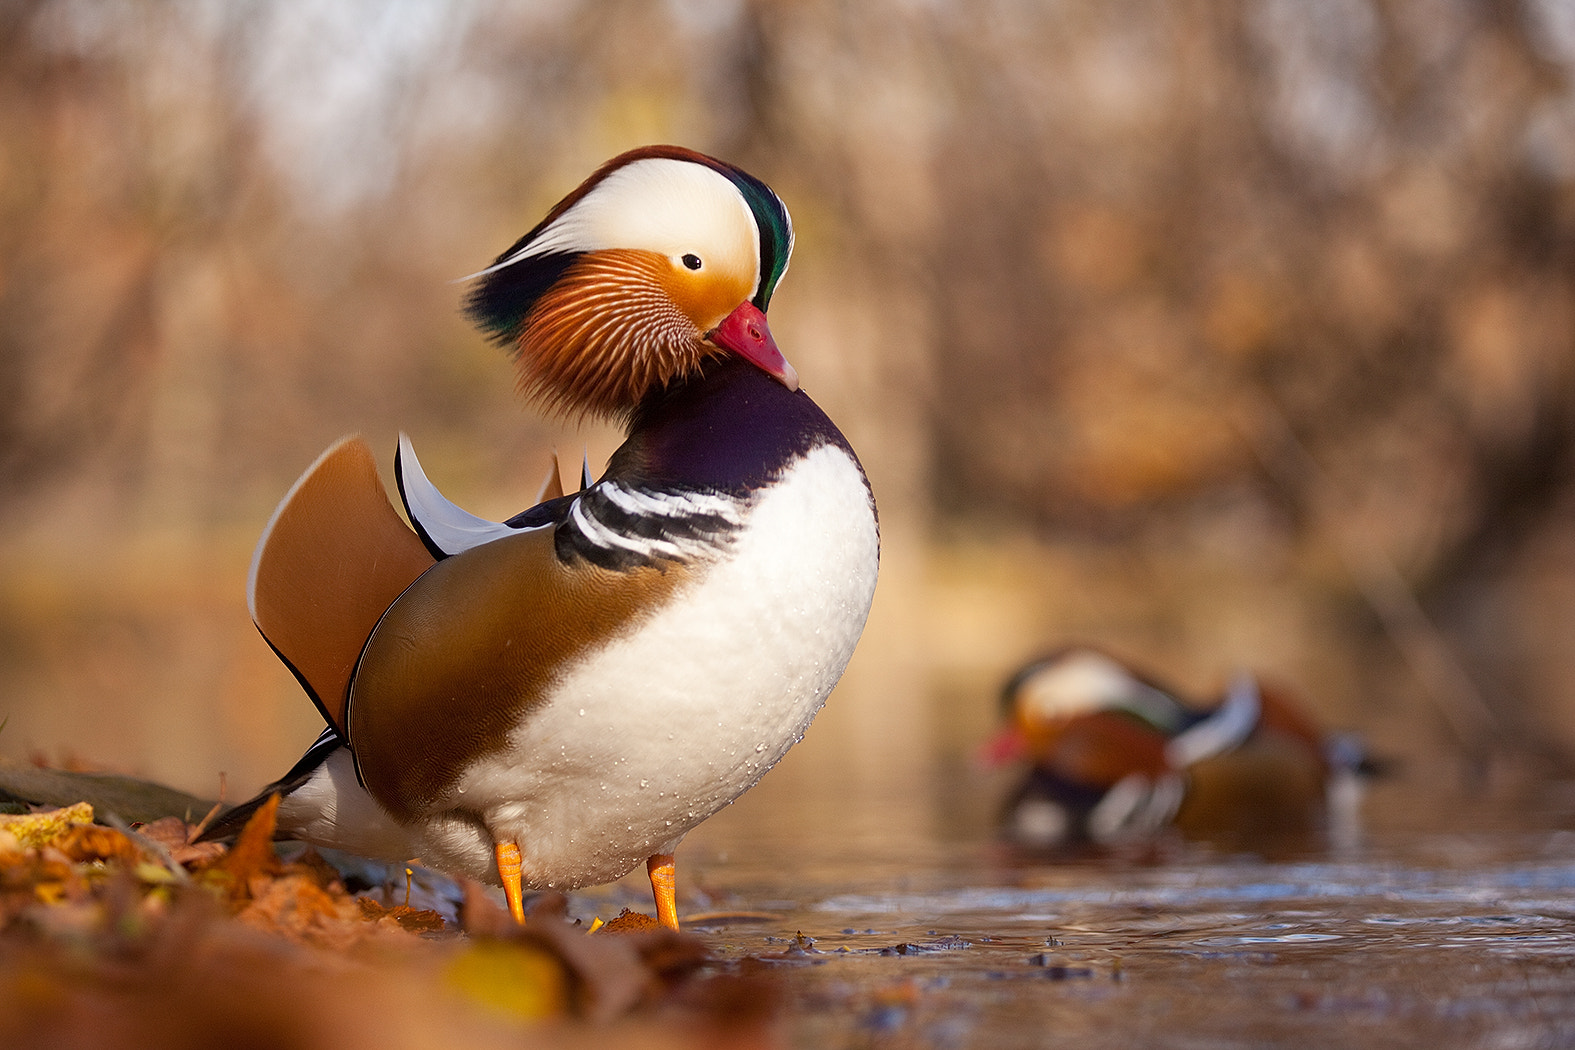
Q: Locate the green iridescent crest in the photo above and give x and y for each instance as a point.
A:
(776, 232)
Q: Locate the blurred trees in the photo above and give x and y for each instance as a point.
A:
(1170, 276)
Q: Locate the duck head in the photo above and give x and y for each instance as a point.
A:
(662, 259)
(1048, 696)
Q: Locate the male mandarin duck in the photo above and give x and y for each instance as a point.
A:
(548, 701)
(1115, 757)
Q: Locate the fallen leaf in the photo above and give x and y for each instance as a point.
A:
(522, 979)
(38, 829)
(628, 921)
(90, 842)
(251, 856)
(175, 835)
(105, 944)
(416, 920)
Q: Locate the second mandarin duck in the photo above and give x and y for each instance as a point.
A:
(1113, 757)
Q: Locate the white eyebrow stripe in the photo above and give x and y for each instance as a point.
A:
(494, 268)
(665, 205)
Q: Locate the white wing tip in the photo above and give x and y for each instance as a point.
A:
(451, 527)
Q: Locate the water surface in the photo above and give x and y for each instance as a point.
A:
(1456, 930)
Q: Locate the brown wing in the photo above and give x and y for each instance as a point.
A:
(470, 648)
(332, 560)
(1103, 747)
(1281, 714)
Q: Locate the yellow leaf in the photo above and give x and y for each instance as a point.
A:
(39, 829)
(49, 892)
(521, 980)
(153, 874)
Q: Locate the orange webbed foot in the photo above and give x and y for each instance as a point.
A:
(509, 867)
(664, 887)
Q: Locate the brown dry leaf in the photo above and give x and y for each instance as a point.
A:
(90, 842)
(416, 920)
(174, 834)
(43, 876)
(297, 907)
(101, 947)
(251, 856)
(480, 917)
(196, 978)
(628, 921)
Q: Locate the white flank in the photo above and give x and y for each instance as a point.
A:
(643, 740)
(332, 809)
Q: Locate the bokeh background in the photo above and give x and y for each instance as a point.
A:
(1224, 334)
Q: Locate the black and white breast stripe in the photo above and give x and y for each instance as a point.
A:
(619, 527)
(609, 524)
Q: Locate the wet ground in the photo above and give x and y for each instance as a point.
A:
(1453, 931)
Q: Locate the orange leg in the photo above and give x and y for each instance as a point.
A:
(664, 883)
(509, 871)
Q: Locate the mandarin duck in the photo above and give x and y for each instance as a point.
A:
(548, 701)
(1115, 757)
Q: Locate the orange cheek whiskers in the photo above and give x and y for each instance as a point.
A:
(606, 330)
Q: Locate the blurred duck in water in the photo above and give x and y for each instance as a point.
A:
(1113, 757)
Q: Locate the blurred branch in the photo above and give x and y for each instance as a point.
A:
(34, 447)
(1424, 648)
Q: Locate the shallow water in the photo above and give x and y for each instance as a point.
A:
(1447, 936)
(1208, 953)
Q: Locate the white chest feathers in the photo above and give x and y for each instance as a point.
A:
(648, 737)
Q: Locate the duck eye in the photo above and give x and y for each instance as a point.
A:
(692, 261)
